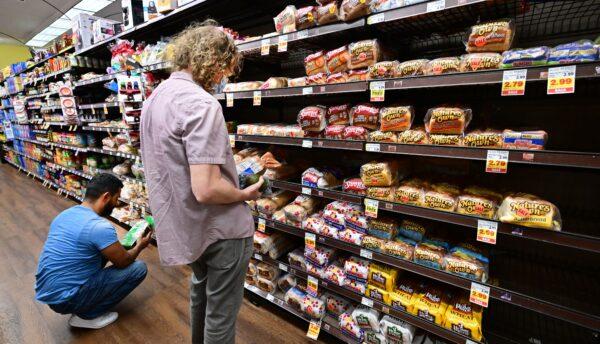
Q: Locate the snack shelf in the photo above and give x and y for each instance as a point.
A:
(22, 154)
(95, 80)
(508, 296)
(39, 63)
(70, 170)
(573, 240)
(114, 153)
(98, 105)
(33, 141)
(94, 171)
(41, 95)
(302, 142)
(107, 129)
(345, 87)
(48, 76)
(143, 208)
(50, 108)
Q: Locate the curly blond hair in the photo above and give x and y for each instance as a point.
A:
(205, 50)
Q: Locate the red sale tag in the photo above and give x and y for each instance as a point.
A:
(487, 231)
(513, 82)
(480, 294)
(561, 80)
(497, 161)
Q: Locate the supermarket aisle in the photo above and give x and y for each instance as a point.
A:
(156, 312)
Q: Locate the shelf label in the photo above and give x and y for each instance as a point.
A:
(310, 241)
(93, 111)
(105, 109)
(307, 90)
(257, 97)
(496, 162)
(367, 302)
(258, 257)
(261, 225)
(385, 309)
(314, 328)
(480, 294)
(283, 267)
(312, 286)
(306, 191)
(375, 19)
(270, 297)
(371, 207)
(229, 99)
(513, 82)
(366, 253)
(307, 143)
(561, 80)
(265, 46)
(434, 6)
(487, 231)
(232, 140)
(282, 43)
(377, 91)
(373, 147)
(470, 342)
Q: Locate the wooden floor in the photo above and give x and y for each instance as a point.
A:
(156, 312)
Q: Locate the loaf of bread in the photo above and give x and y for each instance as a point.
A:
(447, 120)
(379, 173)
(466, 261)
(312, 118)
(382, 276)
(534, 140)
(383, 70)
(315, 63)
(413, 136)
(479, 202)
(493, 36)
(338, 114)
(412, 68)
(328, 13)
(355, 133)
(358, 75)
(383, 228)
(401, 247)
(431, 253)
(337, 78)
(337, 60)
(364, 115)
(306, 17)
(396, 118)
(483, 139)
(381, 136)
(353, 9)
(442, 196)
(480, 61)
(297, 82)
(274, 82)
(537, 56)
(335, 132)
(431, 305)
(384, 193)
(464, 317)
(529, 211)
(411, 192)
(445, 140)
(317, 79)
(286, 20)
(364, 53)
(443, 65)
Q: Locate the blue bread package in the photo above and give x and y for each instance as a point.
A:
(580, 51)
(431, 253)
(537, 56)
(411, 230)
(467, 261)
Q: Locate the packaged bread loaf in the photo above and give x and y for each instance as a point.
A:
(537, 56)
(355, 133)
(266, 285)
(530, 211)
(306, 17)
(383, 228)
(373, 243)
(447, 120)
(355, 285)
(364, 53)
(383, 70)
(466, 261)
(274, 82)
(357, 221)
(248, 86)
(267, 206)
(334, 218)
(351, 236)
(312, 118)
(317, 79)
(478, 202)
(315, 63)
(314, 307)
(336, 305)
(296, 259)
(313, 223)
(493, 36)
(396, 118)
(384, 193)
(337, 78)
(464, 317)
(286, 282)
(413, 136)
(320, 178)
(338, 114)
(320, 255)
(357, 268)
(379, 173)
(442, 197)
(328, 13)
(396, 331)
(375, 337)
(431, 252)
(349, 327)
(334, 132)
(297, 82)
(358, 75)
(377, 293)
(443, 65)
(335, 274)
(412, 68)
(401, 247)
(295, 212)
(251, 279)
(480, 61)
(580, 51)
(382, 276)
(294, 297)
(445, 139)
(355, 186)
(364, 115)
(267, 271)
(411, 192)
(381, 136)
(483, 138)
(354, 9)
(534, 140)
(431, 305)
(367, 318)
(337, 60)
(286, 20)
(404, 295)
(412, 229)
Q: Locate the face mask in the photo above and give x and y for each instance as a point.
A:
(221, 85)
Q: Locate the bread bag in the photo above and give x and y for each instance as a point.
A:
(337, 60)
(364, 115)
(355, 133)
(306, 17)
(354, 9)
(328, 13)
(412, 68)
(442, 197)
(431, 252)
(493, 36)
(476, 201)
(530, 211)
(396, 118)
(413, 136)
(312, 118)
(286, 20)
(379, 173)
(443, 65)
(364, 53)
(533, 140)
(480, 61)
(411, 192)
(530, 57)
(483, 139)
(464, 317)
(447, 120)
(384, 70)
(315, 63)
(431, 305)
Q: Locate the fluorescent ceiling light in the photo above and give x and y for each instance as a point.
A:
(92, 5)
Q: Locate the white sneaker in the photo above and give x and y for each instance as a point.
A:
(96, 323)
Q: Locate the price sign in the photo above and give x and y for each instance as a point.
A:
(105, 109)
(513, 82)
(257, 97)
(307, 90)
(306, 191)
(371, 207)
(373, 147)
(232, 140)
(261, 225)
(310, 241)
(93, 111)
(307, 143)
(496, 162)
(314, 328)
(366, 301)
(270, 297)
(435, 6)
(366, 253)
(265, 46)
(302, 34)
(283, 267)
(282, 43)
(487, 231)
(377, 91)
(561, 80)
(229, 99)
(480, 294)
(312, 286)
(377, 18)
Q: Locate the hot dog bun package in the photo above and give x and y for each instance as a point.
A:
(354, 9)
(431, 252)
(358, 75)
(286, 20)
(338, 114)
(412, 191)
(464, 317)
(315, 63)
(320, 256)
(334, 132)
(445, 139)
(396, 331)
(351, 236)
(493, 36)
(396, 118)
(312, 118)
(384, 70)
(447, 120)
(480, 61)
(328, 13)
(580, 51)
(529, 211)
(364, 53)
(297, 82)
(431, 305)
(479, 202)
(355, 285)
(412, 68)
(286, 282)
(267, 271)
(413, 136)
(379, 173)
(337, 60)
(306, 17)
(367, 318)
(274, 82)
(467, 261)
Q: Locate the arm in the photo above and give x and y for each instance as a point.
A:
(210, 187)
(122, 258)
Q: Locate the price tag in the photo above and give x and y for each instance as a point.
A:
(307, 90)
(93, 111)
(122, 108)
(232, 140)
(229, 99)
(373, 147)
(302, 34)
(480, 294)
(561, 80)
(366, 301)
(470, 342)
(310, 241)
(366, 253)
(385, 309)
(70, 128)
(306, 191)
(377, 91)
(435, 6)
(270, 297)
(282, 43)
(75, 128)
(307, 143)
(513, 82)
(371, 207)
(496, 162)
(377, 18)
(314, 328)
(283, 267)
(265, 46)
(105, 109)
(312, 286)
(261, 225)
(257, 97)
(487, 231)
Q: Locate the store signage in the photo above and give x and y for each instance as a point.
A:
(257, 98)
(366, 253)
(561, 80)
(282, 44)
(371, 207)
(261, 225)
(314, 328)
(229, 99)
(306, 191)
(377, 91)
(270, 297)
(265, 46)
(480, 294)
(367, 302)
(307, 90)
(487, 231)
(513, 82)
(283, 267)
(497, 161)
(312, 286)
(307, 143)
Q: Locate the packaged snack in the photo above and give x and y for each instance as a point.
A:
(266, 285)
(384, 193)
(267, 271)
(534, 140)
(337, 78)
(328, 13)
(384, 70)
(379, 173)
(306, 17)
(491, 37)
(431, 305)
(383, 228)
(320, 256)
(351, 236)
(315, 270)
(467, 262)
(296, 213)
(367, 318)
(530, 211)
(401, 247)
(274, 82)
(337, 60)
(312, 118)
(580, 51)
(431, 252)
(375, 338)
(294, 297)
(339, 114)
(364, 115)
(322, 178)
(363, 53)
(355, 186)
(537, 56)
(313, 307)
(355, 285)
(442, 196)
(443, 65)
(315, 63)
(447, 120)
(286, 20)
(380, 136)
(382, 276)
(354, 9)
(286, 282)
(358, 75)
(464, 317)
(404, 296)
(479, 202)
(411, 192)
(396, 118)
(357, 221)
(330, 231)
(396, 331)
(412, 68)
(267, 206)
(445, 139)
(411, 229)
(480, 61)
(483, 139)
(355, 133)
(357, 268)
(413, 136)
(349, 327)
(313, 223)
(373, 243)
(336, 305)
(296, 259)
(335, 274)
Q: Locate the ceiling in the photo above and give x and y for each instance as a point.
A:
(23, 19)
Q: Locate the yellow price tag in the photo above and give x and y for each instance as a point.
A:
(377, 91)
(497, 161)
(265, 46)
(314, 328)
(371, 207)
(561, 80)
(257, 98)
(282, 44)
(105, 109)
(261, 225)
(232, 140)
(480, 294)
(487, 231)
(513, 82)
(229, 99)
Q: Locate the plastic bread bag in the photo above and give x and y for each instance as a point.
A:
(443, 65)
(384, 137)
(401, 247)
(306, 202)
(413, 136)
(382, 276)
(358, 75)
(412, 68)
(321, 255)
(268, 206)
(354, 186)
(483, 139)
(373, 243)
(374, 338)
(396, 118)
(384, 70)
(337, 60)
(351, 236)
(364, 53)
(355, 133)
(315, 63)
(447, 120)
(334, 132)
(580, 51)
(313, 307)
(529, 211)
(431, 253)
(378, 294)
(330, 231)
(404, 295)
(385, 5)
(412, 230)
(317, 79)
(286, 20)
(266, 285)
(297, 82)
(464, 317)
(320, 178)
(328, 13)
(281, 173)
(364, 115)
(251, 279)
(480, 61)
(281, 248)
(279, 216)
(312, 118)
(263, 242)
(379, 173)
(267, 271)
(313, 223)
(295, 212)
(384, 193)
(442, 197)
(445, 139)
(467, 262)
(335, 274)
(286, 282)
(532, 140)
(334, 218)
(315, 270)
(296, 259)
(294, 297)
(480, 202)
(411, 192)
(537, 56)
(349, 327)
(383, 228)
(431, 305)
(357, 221)
(252, 269)
(357, 268)
(337, 78)
(495, 36)
(367, 318)
(336, 305)
(397, 331)
(339, 114)
(354, 9)
(306, 17)
(342, 207)
(274, 82)
(248, 85)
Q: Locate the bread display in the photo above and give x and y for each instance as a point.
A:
(396, 118)
(447, 120)
(384, 70)
(529, 211)
(306, 17)
(364, 115)
(443, 65)
(337, 60)
(312, 118)
(412, 68)
(353, 9)
(493, 36)
(483, 139)
(315, 63)
(480, 61)
(328, 13)
(364, 53)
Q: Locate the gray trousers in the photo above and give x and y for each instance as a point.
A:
(217, 290)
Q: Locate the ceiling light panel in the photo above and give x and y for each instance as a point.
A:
(92, 5)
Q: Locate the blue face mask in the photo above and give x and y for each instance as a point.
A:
(221, 85)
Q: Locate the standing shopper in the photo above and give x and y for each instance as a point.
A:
(200, 214)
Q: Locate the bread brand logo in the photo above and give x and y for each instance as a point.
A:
(478, 140)
(444, 139)
(423, 313)
(377, 277)
(397, 249)
(390, 114)
(459, 328)
(362, 50)
(407, 195)
(379, 192)
(443, 65)
(406, 288)
(398, 305)
(363, 110)
(372, 338)
(411, 136)
(310, 113)
(488, 27)
(372, 171)
(426, 255)
(409, 68)
(411, 226)
(395, 334)
(376, 294)
(314, 56)
(443, 115)
(436, 202)
(363, 321)
(470, 205)
(354, 184)
(459, 266)
(463, 307)
(432, 299)
(526, 208)
(484, 62)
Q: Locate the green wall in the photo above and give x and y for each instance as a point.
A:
(11, 53)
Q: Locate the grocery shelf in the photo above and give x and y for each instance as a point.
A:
(70, 170)
(346, 87)
(22, 154)
(302, 142)
(50, 108)
(41, 62)
(113, 153)
(573, 240)
(98, 105)
(142, 207)
(48, 76)
(95, 171)
(107, 129)
(97, 79)
(41, 95)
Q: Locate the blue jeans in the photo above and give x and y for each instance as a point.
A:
(103, 291)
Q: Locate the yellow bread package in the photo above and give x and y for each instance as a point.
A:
(464, 317)
(442, 196)
(484, 139)
(431, 305)
(378, 294)
(384, 193)
(447, 120)
(404, 296)
(382, 276)
(445, 140)
(529, 211)
(381, 136)
(413, 136)
(478, 201)
(379, 173)
(412, 191)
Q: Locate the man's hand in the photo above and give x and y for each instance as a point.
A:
(144, 241)
(252, 192)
